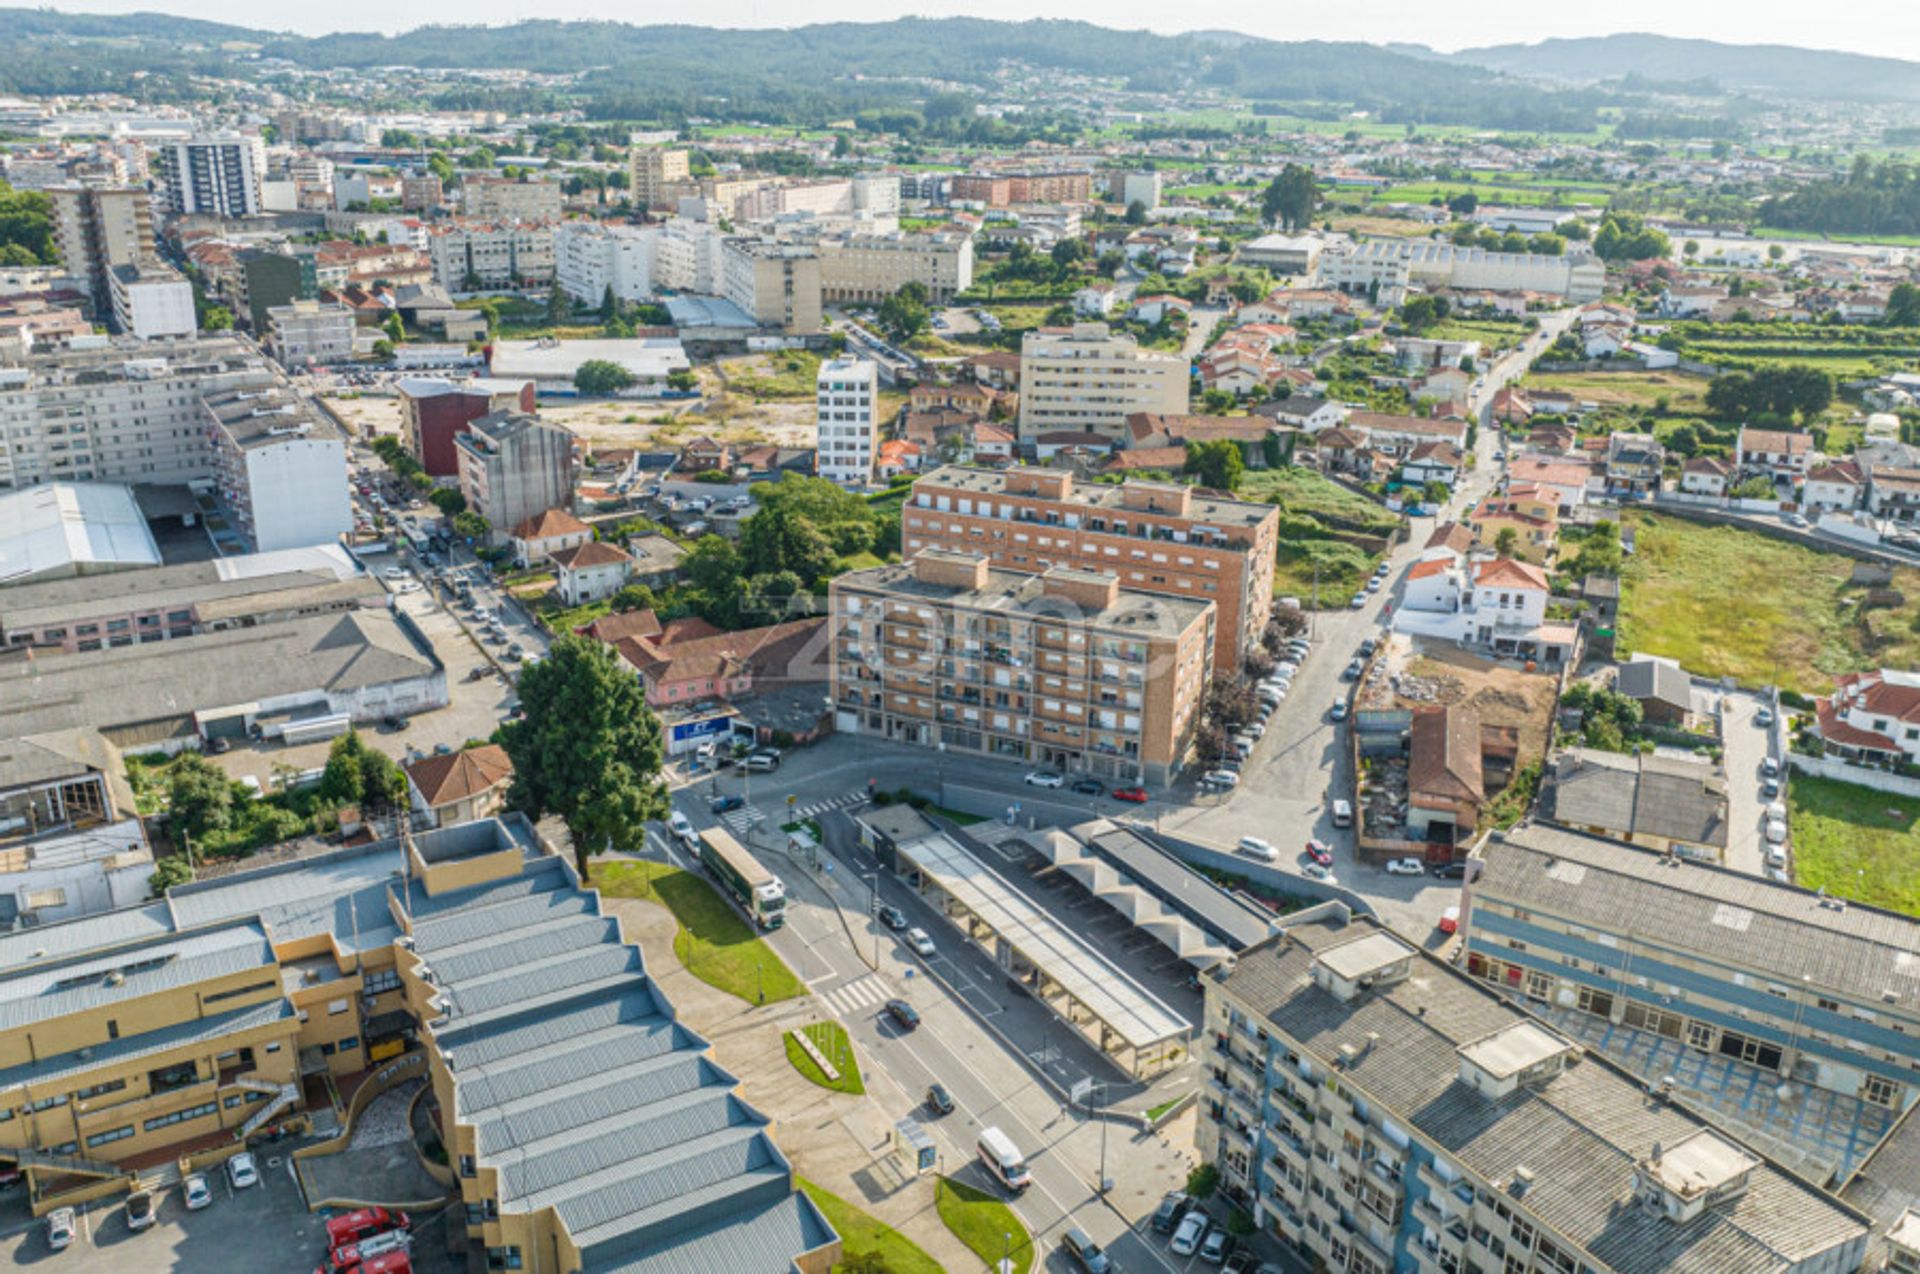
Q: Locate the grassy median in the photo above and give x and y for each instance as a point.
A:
(831, 1039)
(714, 943)
(861, 1234)
(982, 1222)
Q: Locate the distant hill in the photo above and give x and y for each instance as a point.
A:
(158, 27)
(1773, 68)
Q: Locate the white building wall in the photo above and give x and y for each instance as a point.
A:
(588, 259)
(150, 308)
(298, 492)
(846, 392)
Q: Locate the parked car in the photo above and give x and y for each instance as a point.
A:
(1764, 717)
(1080, 1247)
(140, 1212)
(1359, 600)
(1776, 831)
(1769, 767)
(198, 1193)
(921, 943)
(893, 918)
(1406, 867)
(680, 825)
(1220, 778)
(1343, 813)
(1340, 710)
(1320, 852)
(1186, 1239)
(241, 1172)
(1450, 871)
(1171, 1209)
(761, 762)
(904, 1014)
(1319, 871)
(1132, 795)
(1354, 668)
(1367, 648)
(1255, 847)
(939, 1100)
(60, 1229)
(1089, 787)
(1218, 1243)
(1450, 920)
(1770, 788)
(1045, 778)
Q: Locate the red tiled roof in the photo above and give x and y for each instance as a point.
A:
(592, 553)
(459, 775)
(622, 624)
(1432, 566)
(1506, 573)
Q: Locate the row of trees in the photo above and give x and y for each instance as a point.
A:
(1780, 393)
(1880, 198)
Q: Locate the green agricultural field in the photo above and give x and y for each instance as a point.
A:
(1735, 603)
(714, 943)
(1856, 842)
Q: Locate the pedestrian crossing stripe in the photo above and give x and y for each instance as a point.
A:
(836, 803)
(847, 1000)
(744, 819)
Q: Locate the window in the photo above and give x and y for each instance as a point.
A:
(1881, 1092)
(335, 1007)
(382, 980)
(112, 1134)
(96, 1090)
(182, 1116)
(41, 899)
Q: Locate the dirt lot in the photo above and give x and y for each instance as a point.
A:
(1500, 693)
(642, 424)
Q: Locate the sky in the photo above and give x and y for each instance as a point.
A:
(1883, 27)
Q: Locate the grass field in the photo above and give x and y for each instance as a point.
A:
(1303, 491)
(1315, 512)
(714, 943)
(830, 1038)
(983, 1222)
(861, 1234)
(1493, 335)
(1856, 842)
(1628, 389)
(788, 374)
(1728, 602)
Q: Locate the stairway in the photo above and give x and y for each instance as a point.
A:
(70, 1164)
(286, 1095)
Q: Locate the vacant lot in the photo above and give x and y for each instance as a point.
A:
(1628, 389)
(1319, 523)
(1856, 842)
(1305, 492)
(1498, 694)
(714, 943)
(1734, 603)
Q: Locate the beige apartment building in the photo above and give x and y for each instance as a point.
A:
(493, 254)
(1157, 537)
(777, 283)
(499, 199)
(99, 228)
(1063, 668)
(872, 267)
(1087, 379)
(655, 172)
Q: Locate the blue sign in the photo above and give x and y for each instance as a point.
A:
(701, 729)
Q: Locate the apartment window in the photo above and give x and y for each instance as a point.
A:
(1881, 1092)
(48, 1103)
(96, 1090)
(381, 981)
(112, 1134)
(182, 1116)
(467, 1166)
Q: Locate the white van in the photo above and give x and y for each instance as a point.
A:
(1003, 1159)
(1254, 847)
(1342, 814)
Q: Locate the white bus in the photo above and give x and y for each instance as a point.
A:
(1003, 1159)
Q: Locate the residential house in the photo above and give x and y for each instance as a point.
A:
(1872, 716)
(1501, 609)
(590, 572)
(997, 369)
(1342, 450)
(1532, 514)
(1445, 782)
(1893, 492)
(1553, 440)
(980, 401)
(1095, 302)
(1777, 453)
(1436, 461)
(1436, 582)
(1635, 463)
(895, 457)
(1512, 405)
(1689, 302)
(992, 444)
(1606, 340)
(1661, 688)
(1397, 436)
(1303, 412)
(1446, 384)
(1705, 475)
(702, 454)
(1238, 370)
(1295, 306)
(1668, 804)
(1835, 487)
(656, 560)
(1861, 307)
(460, 787)
(689, 660)
(1452, 536)
(553, 531)
(1554, 402)
(1160, 308)
(1567, 479)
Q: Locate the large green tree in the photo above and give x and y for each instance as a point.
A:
(601, 377)
(589, 749)
(199, 797)
(359, 775)
(1216, 463)
(904, 315)
(1289, 198)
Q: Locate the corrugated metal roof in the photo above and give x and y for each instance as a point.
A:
(45, 990)
(595, 1053)
(763, 1242)
(146, 1044)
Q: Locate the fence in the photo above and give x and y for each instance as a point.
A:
(1832, 767)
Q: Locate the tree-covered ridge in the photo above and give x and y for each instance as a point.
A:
(1873, 198)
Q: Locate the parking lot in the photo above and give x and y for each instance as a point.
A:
(265, 1229)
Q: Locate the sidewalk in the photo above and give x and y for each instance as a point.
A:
(841, 1143)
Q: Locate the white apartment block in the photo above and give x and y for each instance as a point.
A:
(872, 267)
(499, 199)
(309, 332)
(876, 194)
(490, 254)
(280, 466)
(589, 258)
(151, 301)
(846, 392)
(216, 175)
(1140, 188)
(1086, 379)
(118, 411)
(689, 257)
(1387, 267)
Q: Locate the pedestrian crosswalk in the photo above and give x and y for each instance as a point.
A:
(817, 808)
(743, 820)
(850, 998)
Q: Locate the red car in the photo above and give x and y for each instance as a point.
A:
(1320, 853)
(1137, 795)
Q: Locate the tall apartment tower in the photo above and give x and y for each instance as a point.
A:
(99, 228)
(214, 175)
(652, 171)
(514, 467)
(1088, 379)
(845, 395)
